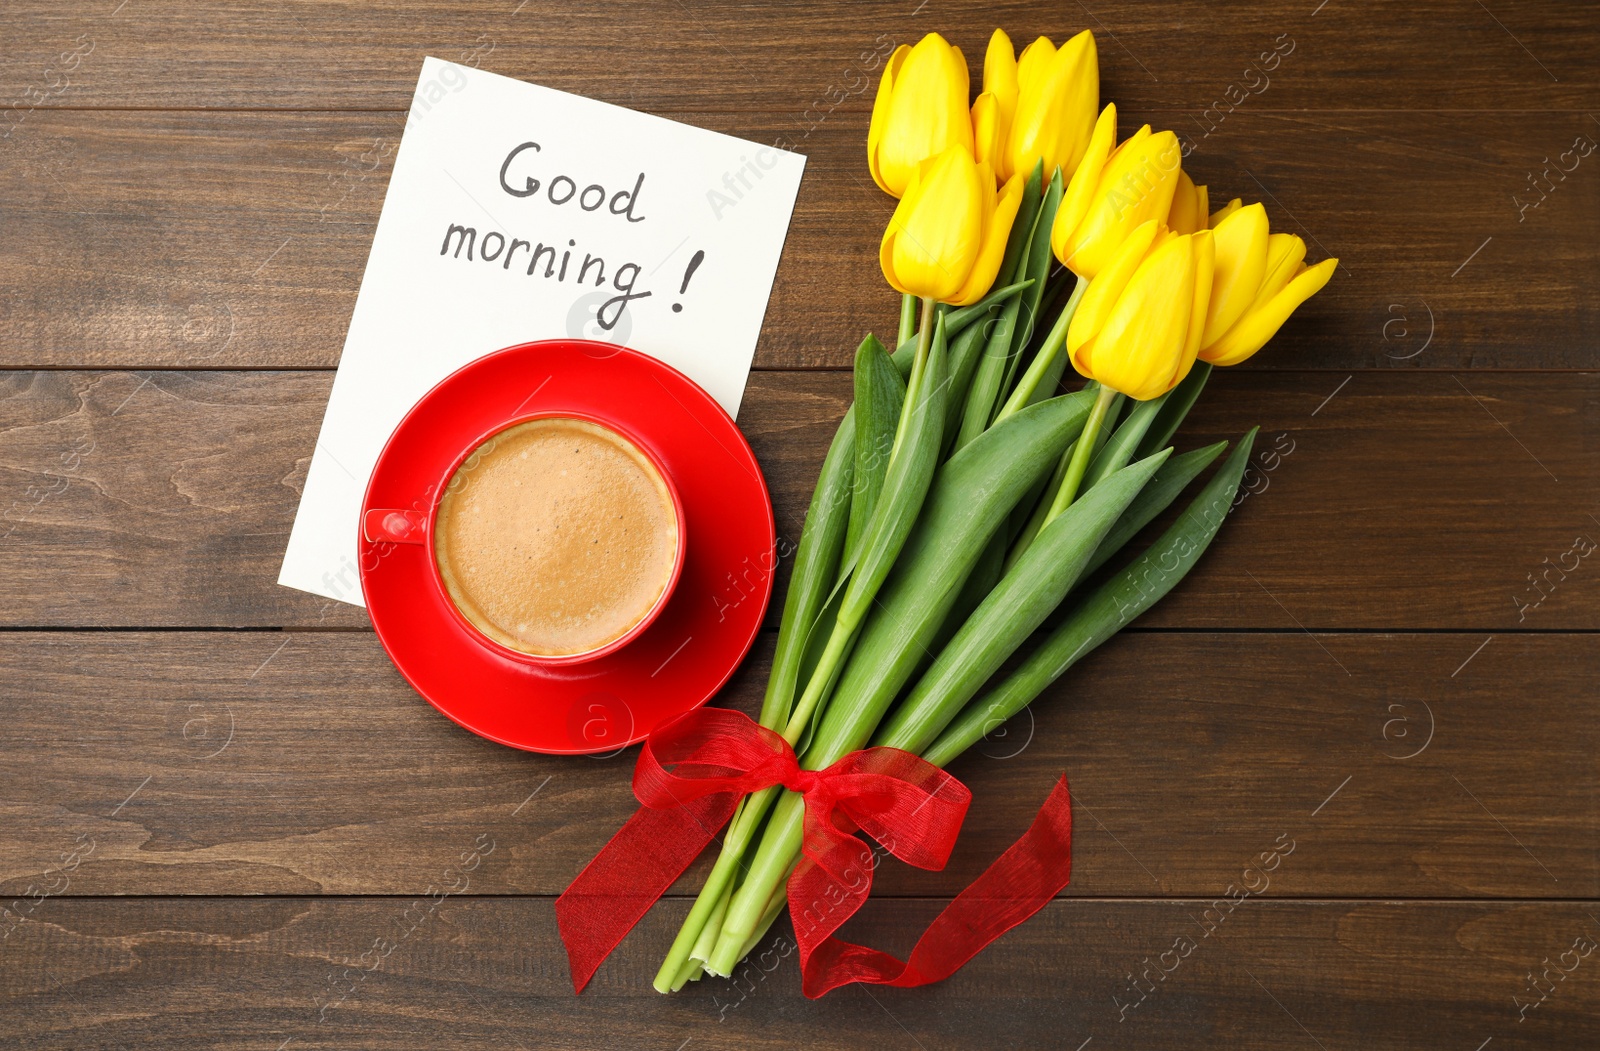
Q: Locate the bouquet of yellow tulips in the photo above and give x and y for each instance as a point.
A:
(965, 504)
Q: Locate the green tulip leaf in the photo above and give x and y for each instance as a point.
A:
(969, 496)
(816, 564)
(880, 393)
(1116, 453)
(1173, 478)
(1176, 405)
(1102, 614)
(1030, 590)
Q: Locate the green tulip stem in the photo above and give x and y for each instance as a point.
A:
(1081, 453)
(908, 317)
(924, 339)
(775, 905)
(1028, 386)
(843, 637)
(689, 972)
(708, 935)
(714, 895)
(695, 965)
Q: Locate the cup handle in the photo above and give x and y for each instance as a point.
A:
(385, 526)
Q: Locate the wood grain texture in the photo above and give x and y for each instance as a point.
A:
(300, 763)
(470, 973)
(1380, 501)
(191, 240)
(722, 55)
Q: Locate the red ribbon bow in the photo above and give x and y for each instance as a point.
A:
(911, 807)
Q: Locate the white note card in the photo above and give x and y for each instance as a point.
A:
(514, 213)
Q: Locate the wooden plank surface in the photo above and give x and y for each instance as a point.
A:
(271, 763)
(721, 55)
(467, 973)
(1381, 500)
(1387, 660)
(262, 222)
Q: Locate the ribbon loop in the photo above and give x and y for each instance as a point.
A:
(911, 807)
(711, 751)
(689, 778)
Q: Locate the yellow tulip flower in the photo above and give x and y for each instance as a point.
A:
(1241, 247)
(1138, 327)
(1189, 207)
(921, 109)
(1113, 192)
(1261, 277)
(948, 234)
(1058, 97)
(1041, 107)
(992, 113)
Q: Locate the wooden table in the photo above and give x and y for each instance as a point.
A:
(224, 819)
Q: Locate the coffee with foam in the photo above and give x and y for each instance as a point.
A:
(556, 537)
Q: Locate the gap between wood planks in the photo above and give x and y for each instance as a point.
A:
(1100, 899)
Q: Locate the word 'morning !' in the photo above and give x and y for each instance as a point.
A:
(562, 189)
(558, 263)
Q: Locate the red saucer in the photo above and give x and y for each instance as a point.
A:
(695, 643)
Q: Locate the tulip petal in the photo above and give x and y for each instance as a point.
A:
(1203, 243)
(1081, 357)
(886, 246)
(886, 260)
(1260, 325)
(1187, 211)
(939, 226)
(1286, 255)
(1225, 211)
(996, 231)
(880, 113)
(1133, 140)
(1034, 128)
(1084, 183)
(1107, 287)
(1000, 83)
(987, 196)
(1136, 185)
(1241, 240)
(988, 134)
(1032, 62)
(1083, 101)
(1140, 349)
(1000, 68)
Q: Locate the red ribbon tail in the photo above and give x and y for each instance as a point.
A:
(1018, 884)
(635, 868)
